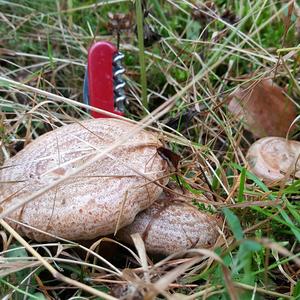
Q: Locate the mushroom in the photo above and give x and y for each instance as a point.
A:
(171, 225)
(105, 195)
(274, 159)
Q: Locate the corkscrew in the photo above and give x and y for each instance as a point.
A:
(103, 82)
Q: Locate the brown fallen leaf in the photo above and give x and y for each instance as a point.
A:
(264, 107)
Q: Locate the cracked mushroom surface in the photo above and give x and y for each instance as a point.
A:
(89, 204)
(169, 226)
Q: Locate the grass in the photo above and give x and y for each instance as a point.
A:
(181, 90)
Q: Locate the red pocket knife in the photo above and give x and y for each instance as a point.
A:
(103, 82)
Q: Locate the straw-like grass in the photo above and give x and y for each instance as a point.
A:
(178, 87)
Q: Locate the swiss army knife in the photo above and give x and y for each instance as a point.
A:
(103, 82)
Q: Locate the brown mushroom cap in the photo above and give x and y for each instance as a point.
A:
(274, 159)
(168, 227)
(88, 204)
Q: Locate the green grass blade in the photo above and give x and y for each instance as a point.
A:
(233, 223)
(140, 33)
(242, 185)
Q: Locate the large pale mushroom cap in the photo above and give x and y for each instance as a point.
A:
(88, 204)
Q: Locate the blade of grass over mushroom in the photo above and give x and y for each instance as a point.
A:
(146, 121)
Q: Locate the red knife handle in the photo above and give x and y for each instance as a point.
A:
(101, 78)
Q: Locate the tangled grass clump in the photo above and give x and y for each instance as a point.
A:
(196, 54)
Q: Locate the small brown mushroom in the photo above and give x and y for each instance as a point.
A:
(274, 159)
(91, 203)
(169, 226)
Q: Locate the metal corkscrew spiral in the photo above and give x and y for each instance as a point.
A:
(119, 83)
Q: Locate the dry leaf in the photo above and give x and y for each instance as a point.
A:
(264, 107)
